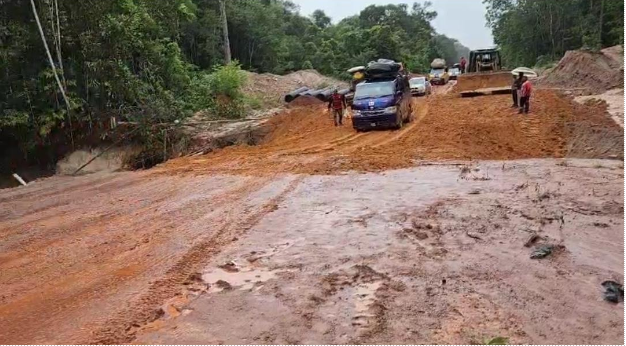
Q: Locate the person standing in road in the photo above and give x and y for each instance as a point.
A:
(463, 63)
(338, 103)
(527, 89)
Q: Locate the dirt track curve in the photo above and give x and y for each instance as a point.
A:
(321, 234)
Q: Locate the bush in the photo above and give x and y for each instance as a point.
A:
(228, 80)
(307, 65)
(219, 92)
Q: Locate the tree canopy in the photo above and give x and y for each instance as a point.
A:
(533, 32)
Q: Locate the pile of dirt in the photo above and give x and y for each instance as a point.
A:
(305, 101)
(304, 140)
(469, 82)
(592, 133)
(595, 71)
(270, 88)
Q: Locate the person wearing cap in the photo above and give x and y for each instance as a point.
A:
(338, 103)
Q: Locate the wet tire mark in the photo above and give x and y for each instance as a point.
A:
(123, 328)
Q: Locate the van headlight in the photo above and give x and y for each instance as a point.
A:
(356, 113)
(390, 110)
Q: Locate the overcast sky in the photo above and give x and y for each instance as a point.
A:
(463, 20)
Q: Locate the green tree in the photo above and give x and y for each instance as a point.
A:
(321, 19)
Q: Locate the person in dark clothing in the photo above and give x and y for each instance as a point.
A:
(515, 90)
(527, 89)
(338, 103)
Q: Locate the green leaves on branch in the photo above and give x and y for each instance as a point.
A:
(532, 32)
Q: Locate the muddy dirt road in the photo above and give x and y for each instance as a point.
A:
(325, 235)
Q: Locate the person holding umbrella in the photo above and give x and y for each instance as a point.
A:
(527, 88)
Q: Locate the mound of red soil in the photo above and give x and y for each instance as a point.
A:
(596, 71)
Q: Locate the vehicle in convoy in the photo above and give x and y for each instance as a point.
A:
(454, 73)
(439, 76)
(420, 86)
(383, 99)
(484, 60)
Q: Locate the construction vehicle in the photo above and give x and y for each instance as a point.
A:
(383, 98)
(484, 60)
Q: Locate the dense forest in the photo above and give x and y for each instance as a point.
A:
(538, 32)
(152, 62)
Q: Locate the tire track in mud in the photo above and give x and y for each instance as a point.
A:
(422, 111)
(123, 327)
(357, 141)
(72, 286)
(333, 145)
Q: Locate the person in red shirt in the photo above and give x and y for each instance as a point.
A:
(527, 89)
(463, 64)
(338, 103)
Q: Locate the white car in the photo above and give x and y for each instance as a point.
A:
(420, 86)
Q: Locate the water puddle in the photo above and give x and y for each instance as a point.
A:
(221, 279)
(365, 297)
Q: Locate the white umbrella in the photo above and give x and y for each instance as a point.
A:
(528, 72)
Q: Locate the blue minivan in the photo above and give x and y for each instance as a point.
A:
(382, 103)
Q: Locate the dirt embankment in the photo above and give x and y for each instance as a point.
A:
(270, 88)
(304, 140)
(594, 71)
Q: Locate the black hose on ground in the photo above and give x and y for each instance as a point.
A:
(295, 94)
(324, 95)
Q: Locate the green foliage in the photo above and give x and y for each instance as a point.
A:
(497, 341)
(528, 29)
(228, 80)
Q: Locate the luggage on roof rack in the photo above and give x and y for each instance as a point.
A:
(384, 69)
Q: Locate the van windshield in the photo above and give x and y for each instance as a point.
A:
(372, 90)
(437, 71)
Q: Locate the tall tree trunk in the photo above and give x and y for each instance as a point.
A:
(54, 70)
(601, 21)
(58, 41)
(227, 55)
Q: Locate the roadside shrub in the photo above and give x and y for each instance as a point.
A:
(228, 80)
(219, 92)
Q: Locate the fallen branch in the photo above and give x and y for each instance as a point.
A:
(18, 178)
(104, 151)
